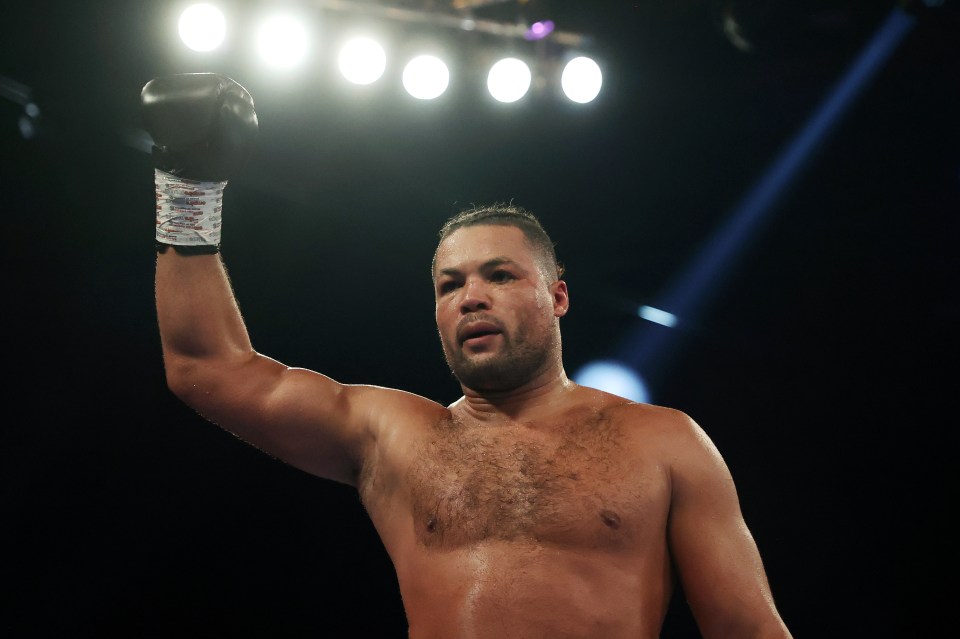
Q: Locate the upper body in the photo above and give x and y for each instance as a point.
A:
(530, 507)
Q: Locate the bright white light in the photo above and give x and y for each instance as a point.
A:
(581, 80)
(362, 61)
(615, 378)
(282, 41)
(657, 316)
(508, 80)
(202, 27)
(426, 77)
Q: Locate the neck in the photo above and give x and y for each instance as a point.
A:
(523, 402)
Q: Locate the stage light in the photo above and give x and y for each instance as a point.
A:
(362, 61)
(426, 77)
(202, 27)
(613, 377)
(539, 30)
(581, 79)
(282, 41)
(509, 80)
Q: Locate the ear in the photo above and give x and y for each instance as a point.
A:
(561, 298)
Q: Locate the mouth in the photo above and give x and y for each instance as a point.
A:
(476, 332)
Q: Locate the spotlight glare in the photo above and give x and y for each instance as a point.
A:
(282, 41)
(426, 77)
(581, 79)
(202, 27)
(613, 377)
(509, 80)
(362, 61)
(657, 316)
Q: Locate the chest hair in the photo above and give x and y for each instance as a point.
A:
(470, 482)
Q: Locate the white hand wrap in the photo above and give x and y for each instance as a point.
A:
(188, 212)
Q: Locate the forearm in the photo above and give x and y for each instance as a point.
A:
(197, 312)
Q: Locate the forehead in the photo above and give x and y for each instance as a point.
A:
(474, 245)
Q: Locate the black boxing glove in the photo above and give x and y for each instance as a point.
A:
(203, 127)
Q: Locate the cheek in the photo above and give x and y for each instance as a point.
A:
(442, 316)
(543, 304)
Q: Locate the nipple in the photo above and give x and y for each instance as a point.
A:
(610, 518)
(431, 524)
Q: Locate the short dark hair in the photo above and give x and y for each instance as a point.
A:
(503, 214)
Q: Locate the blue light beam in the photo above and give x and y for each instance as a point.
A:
(690, 292)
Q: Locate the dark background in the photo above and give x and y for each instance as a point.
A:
(823, 367)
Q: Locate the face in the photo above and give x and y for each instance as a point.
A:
(497, 311)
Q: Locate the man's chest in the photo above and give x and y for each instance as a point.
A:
(581, 486)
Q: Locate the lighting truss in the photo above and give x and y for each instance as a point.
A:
(453, 14)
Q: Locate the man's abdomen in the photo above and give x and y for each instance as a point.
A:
(504, 589)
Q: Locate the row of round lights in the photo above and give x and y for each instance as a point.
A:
(283, 41)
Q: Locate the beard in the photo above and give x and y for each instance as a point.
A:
(520, 359)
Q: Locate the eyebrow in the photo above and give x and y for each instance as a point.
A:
(486, 266)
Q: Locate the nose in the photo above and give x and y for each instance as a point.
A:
(475, 297)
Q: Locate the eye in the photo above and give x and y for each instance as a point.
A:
(501, 276)
(446, 287)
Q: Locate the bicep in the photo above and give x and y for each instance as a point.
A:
(301, 417)
(717, 559)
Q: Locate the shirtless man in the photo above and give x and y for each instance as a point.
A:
(531, 507)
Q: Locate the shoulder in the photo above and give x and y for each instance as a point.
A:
(668, 431)
(392, 409)
(633, 415)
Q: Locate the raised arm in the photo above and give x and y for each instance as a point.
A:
(202, 126)
(299, 416)
(719, 566)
